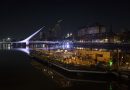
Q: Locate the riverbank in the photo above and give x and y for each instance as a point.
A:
(73, 70)
(70, 68)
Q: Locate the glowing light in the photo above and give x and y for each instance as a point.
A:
(106, 40)
(65, 51)
(70, 34)
(25, 50)
(8, 38)
(43, 45)
(67, 45)
(96, 49)
(9, 47)
(110, 63)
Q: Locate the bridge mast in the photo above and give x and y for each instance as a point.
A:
(28, 38)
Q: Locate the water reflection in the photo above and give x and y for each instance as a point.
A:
(6, 46)
(67, 82)
(75, 83)
(25, 50)
(57, 77)
(116, 59)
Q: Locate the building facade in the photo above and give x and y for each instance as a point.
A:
(97, 33)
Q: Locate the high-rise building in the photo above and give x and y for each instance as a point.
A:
(92, 29)
(56, 33)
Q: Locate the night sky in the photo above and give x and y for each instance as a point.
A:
(20, 18)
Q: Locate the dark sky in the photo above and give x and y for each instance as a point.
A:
(20, 18)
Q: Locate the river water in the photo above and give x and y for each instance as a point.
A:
(19, 72)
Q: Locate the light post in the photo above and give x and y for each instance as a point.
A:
(118, 61)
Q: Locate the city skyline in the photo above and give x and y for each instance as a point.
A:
(64, 44)
(21, 18)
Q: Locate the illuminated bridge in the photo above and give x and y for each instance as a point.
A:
(28, 42)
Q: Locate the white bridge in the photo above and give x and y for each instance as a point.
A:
(27, 40)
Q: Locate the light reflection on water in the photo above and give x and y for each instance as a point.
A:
(66, 82)
(118, 57)
(25, 50)
(61, 80)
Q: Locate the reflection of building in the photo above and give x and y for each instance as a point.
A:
(58, 78)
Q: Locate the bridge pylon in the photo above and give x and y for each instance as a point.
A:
(28, 38)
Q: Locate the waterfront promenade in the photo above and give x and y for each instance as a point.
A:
(67, 61)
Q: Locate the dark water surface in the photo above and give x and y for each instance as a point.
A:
(18, 73)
